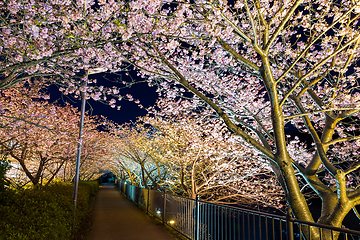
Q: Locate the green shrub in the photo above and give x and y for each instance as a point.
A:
(4, 167)
(46, 213)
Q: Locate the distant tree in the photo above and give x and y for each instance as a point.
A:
(138, 152)
(205, 159)
(41, 137)
(95, 155)
(192, 156)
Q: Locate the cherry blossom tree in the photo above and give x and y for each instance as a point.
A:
(262, 67)
(259, 65)
(139, 153)
(205, 159)
(95, 156)
(61, 42)
(192, 155)
(42, 137)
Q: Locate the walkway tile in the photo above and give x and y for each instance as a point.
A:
(114, 217)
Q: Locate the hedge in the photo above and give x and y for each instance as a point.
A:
(46, 213)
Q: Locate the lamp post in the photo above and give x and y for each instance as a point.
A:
(78, 156)
(77, 168)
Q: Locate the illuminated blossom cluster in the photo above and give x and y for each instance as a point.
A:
(42, 138)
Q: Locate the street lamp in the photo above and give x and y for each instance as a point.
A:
(77, 168)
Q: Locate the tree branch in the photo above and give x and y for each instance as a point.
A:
(316, 67)
(237, 56)
(314, 41)
(181, 79)
(281, 26)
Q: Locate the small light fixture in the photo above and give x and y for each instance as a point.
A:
(158, 211)
(171, 221)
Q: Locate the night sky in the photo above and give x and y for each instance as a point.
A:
(129, 110)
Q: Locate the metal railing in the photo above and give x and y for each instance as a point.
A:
(200, 220)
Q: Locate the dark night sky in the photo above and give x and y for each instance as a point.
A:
(129, 110)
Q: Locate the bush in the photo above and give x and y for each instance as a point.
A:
(46, 213)
(4, 167)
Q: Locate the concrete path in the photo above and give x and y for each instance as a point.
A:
(114, 217)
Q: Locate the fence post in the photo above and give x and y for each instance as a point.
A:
(164, 207)
(289, 225)
(148, 199)
(197, 218)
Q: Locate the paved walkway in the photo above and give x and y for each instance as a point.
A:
(114, 217)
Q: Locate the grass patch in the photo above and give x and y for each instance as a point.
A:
(46, 213)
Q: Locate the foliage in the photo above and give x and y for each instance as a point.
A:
(4, 167)
(46, 213)
(42, 137)
(40, 41)
(192, 156)
(138, 153)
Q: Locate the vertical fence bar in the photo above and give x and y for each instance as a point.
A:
(164, 207)
(226, 223)
(212, 222)
(273, 228)
(148, 201)
(254, 224)
(234, 225)
(243, 224)
(237, 236)
(206, 218)
(281, 230)
(233, 222)
(248, 221)
(218, 222)
(266, 228)
(190, 219)
(260, 233)
(222, 222)
(289, 225)
(186, 217)
(197, 218)
(182, 214)
(238, 218)
(202, 220)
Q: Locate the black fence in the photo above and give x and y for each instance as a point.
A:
(200, 220)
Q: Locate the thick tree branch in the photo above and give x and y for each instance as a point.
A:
(319, 146)
(218, 110)
(347, 139)
(237, 56)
